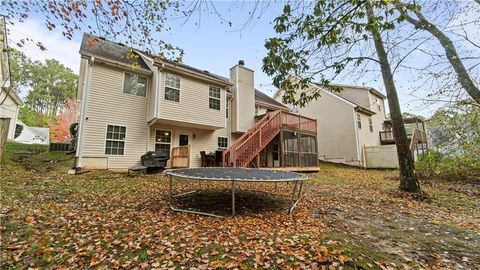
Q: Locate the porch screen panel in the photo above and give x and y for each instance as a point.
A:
(308, 149)
(290, 143)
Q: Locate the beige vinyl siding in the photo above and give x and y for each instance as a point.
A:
(359, 96)
(193, 105)
(244, 102)
(335, 126)
(107, 104)
(233, 104)
(365, 136)
(200, 140)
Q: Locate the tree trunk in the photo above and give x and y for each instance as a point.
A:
(463, 78)
(408, 178)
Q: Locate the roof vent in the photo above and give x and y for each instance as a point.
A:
(241, 62)
(206, 71)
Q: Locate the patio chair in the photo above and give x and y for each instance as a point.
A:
(207, 160)
(218, 158)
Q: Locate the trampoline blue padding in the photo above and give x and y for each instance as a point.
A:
(236, 174)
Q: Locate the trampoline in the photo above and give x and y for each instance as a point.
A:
(233, 175)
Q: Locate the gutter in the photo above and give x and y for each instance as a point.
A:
(83, 111)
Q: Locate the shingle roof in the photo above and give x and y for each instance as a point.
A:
(100, 47)
(262, 97)
(96, 46)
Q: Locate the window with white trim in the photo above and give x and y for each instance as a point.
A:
(214, 97)
(134, 84)
(370, 123)
(222, 142)
(172, 87)
(115, 140)
(163, 141)
(359, 120)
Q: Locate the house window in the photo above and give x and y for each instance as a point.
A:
(163, 141)
(222, 142)
(370, 124)
(256, 110)
(359, 121)
(115, 140)
(379, 105)
(134, 84)
(214, 98)
(172, 87)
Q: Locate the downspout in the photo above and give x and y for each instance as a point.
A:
(83, 111)
(356, 134)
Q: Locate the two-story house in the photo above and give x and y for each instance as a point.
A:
(133, 103)
(347, 121)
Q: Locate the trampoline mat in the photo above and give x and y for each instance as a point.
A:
(237, 174)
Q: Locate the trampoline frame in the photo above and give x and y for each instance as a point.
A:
(295, 197)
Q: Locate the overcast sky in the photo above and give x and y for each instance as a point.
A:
(210, 46)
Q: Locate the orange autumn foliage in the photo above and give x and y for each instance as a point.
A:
(60, 127)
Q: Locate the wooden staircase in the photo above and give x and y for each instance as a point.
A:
(252, 142)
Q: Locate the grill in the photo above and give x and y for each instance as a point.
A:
(153, 159)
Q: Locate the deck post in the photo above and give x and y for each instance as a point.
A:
(282, 158)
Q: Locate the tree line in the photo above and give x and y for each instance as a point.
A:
(47, 85)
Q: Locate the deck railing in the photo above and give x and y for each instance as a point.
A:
(249, 145)
(387, 137)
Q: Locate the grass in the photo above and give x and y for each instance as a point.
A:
(347, 217)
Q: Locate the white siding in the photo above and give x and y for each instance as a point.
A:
(107, 104)
(9, 109)
(193, 105)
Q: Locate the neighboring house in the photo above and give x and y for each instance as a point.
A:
(346, 121)
(10, 102)
(33, 135)
(131, 105)
(9, 108)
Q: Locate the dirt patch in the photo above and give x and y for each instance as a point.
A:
(401, 239)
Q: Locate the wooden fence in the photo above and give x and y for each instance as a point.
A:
(181, 157)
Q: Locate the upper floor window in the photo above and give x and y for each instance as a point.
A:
(115, 140)
(214, 97)
(370, 124)
(359, 121)
(134, 84)
(172, 87)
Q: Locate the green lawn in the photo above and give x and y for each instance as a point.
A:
(348, 218)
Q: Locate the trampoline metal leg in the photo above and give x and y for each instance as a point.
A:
(294, 190)
(296, 196)
(233, 197)
(170, 196)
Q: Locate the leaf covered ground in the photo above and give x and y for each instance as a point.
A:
(348, 218)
